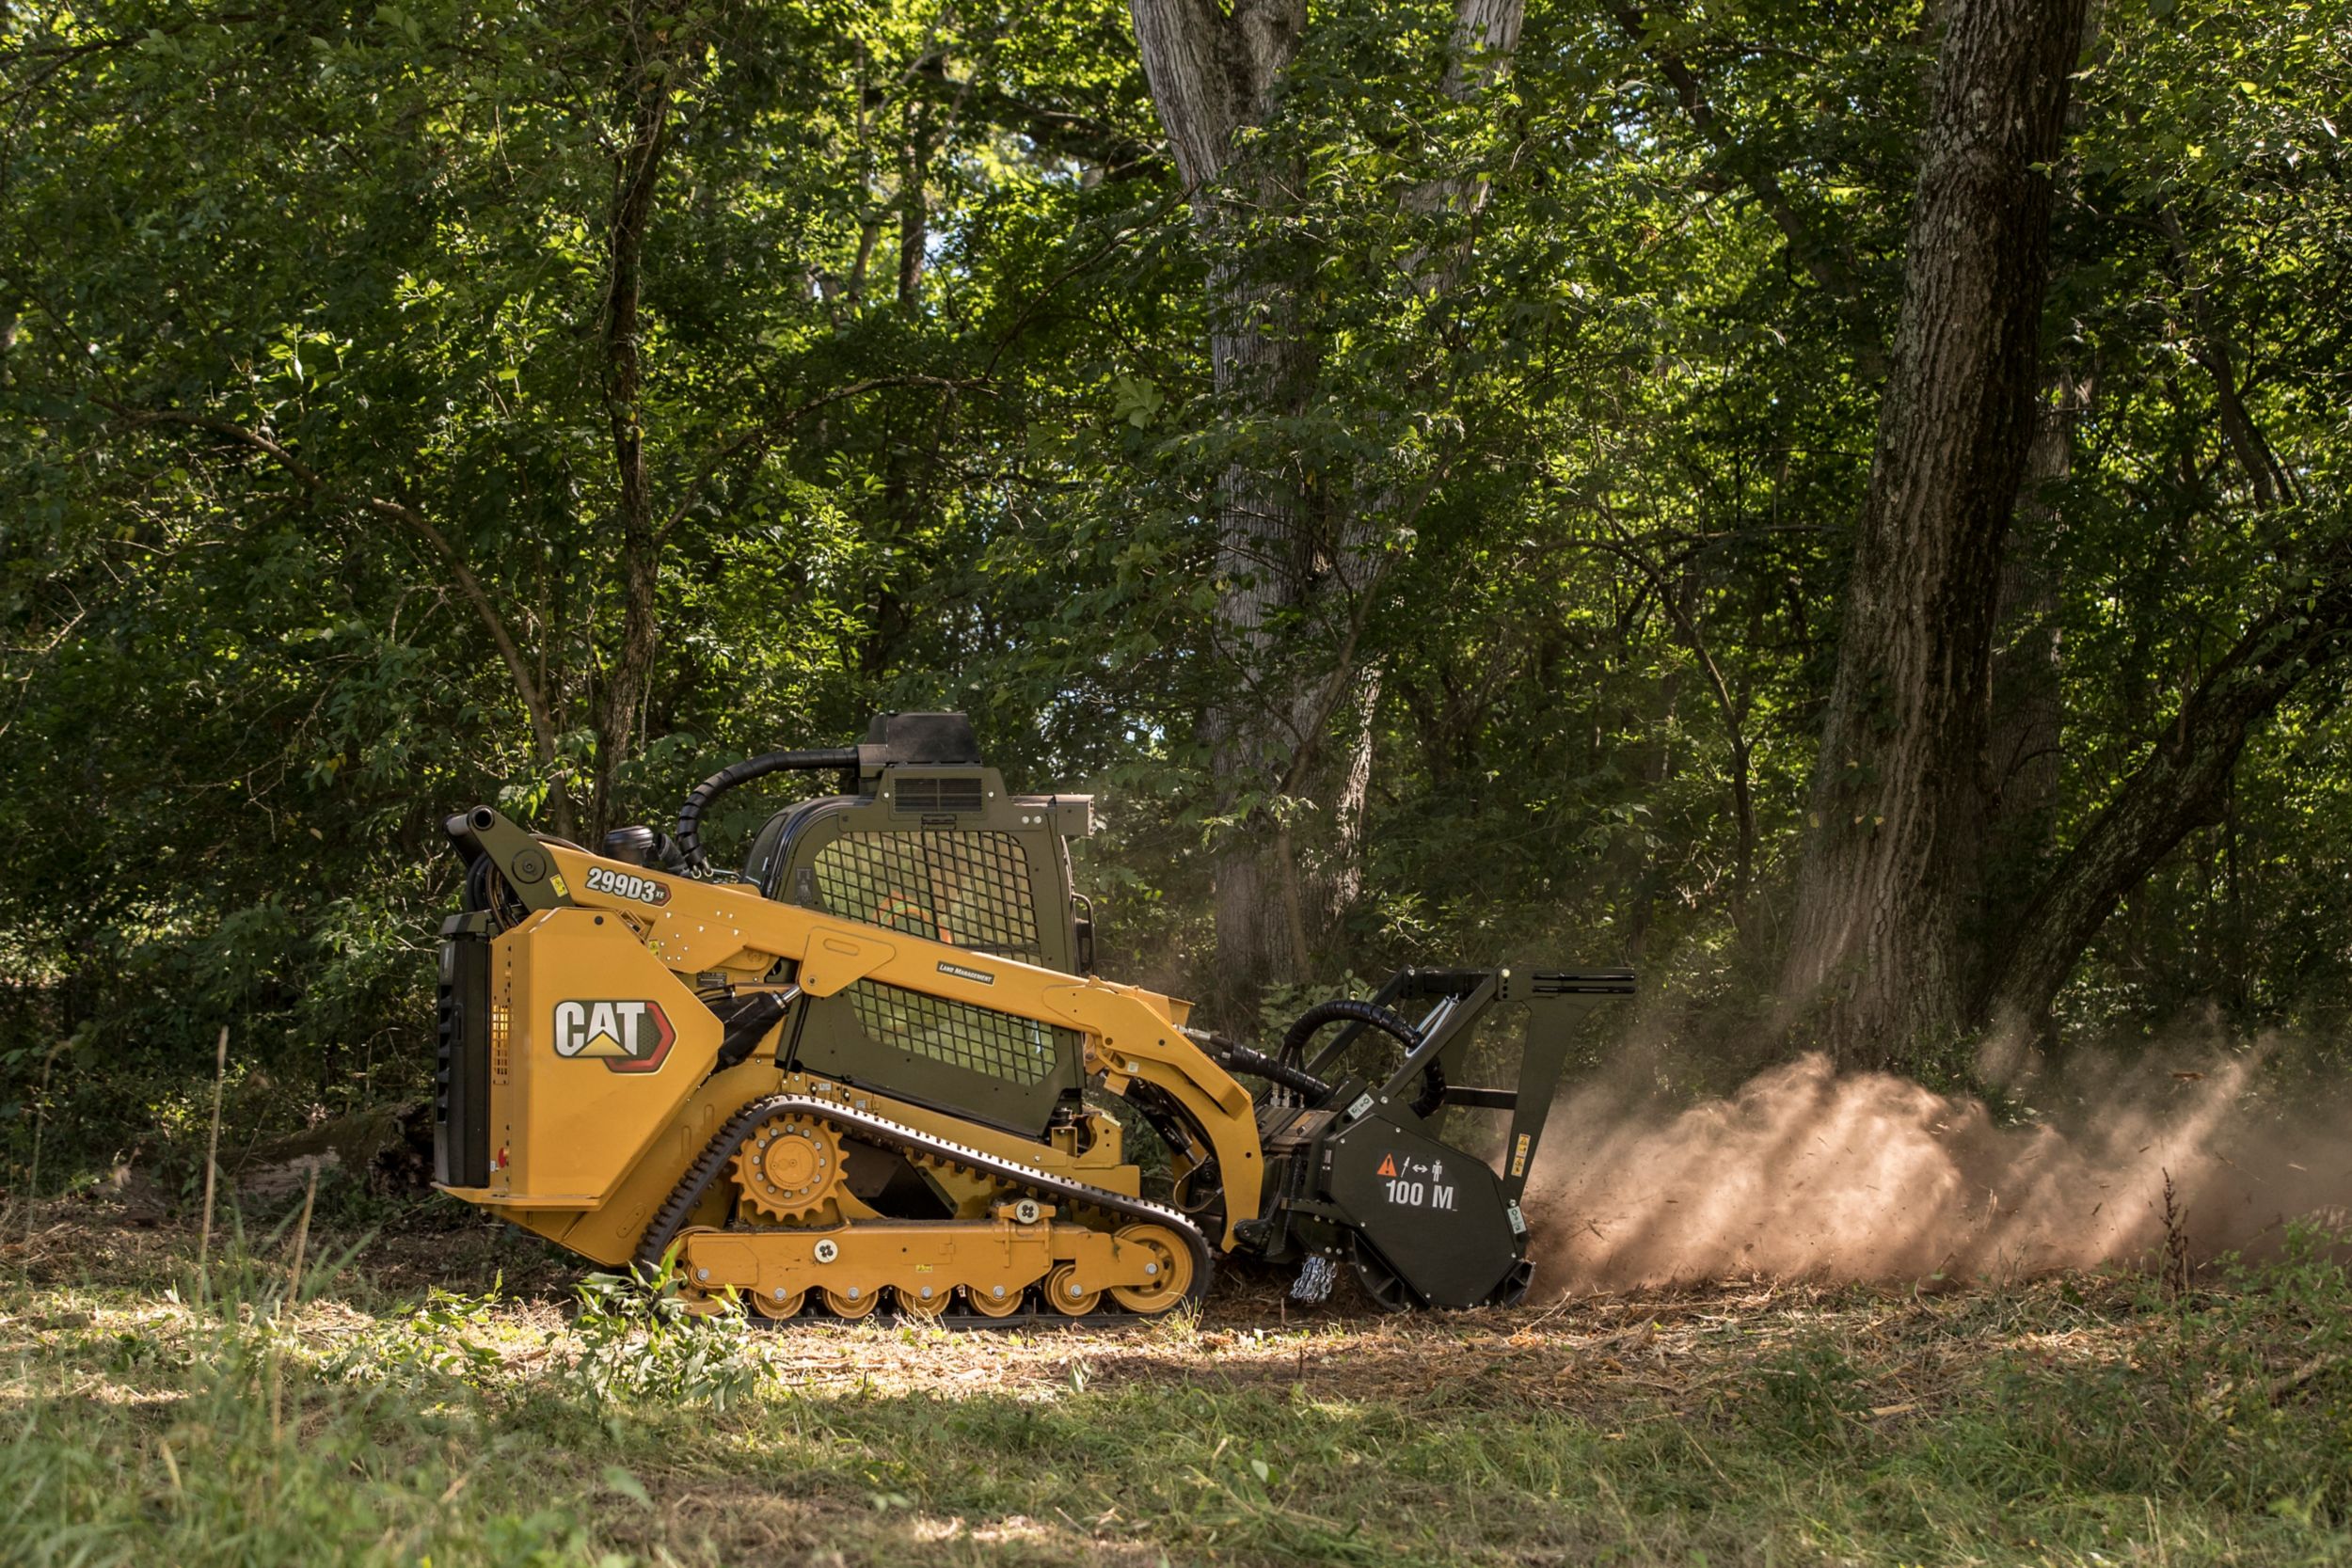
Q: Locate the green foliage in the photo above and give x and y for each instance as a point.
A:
(645, 1345)
(1809, 1395)
(444, 1338)
(2228, 1394)
(316, 524)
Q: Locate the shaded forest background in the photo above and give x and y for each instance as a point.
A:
(1414, 462)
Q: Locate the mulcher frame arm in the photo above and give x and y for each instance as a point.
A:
(704, 931)
(1557, 1003)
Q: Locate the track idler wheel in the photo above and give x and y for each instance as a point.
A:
(1169, 1268)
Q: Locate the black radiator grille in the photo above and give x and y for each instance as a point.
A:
(461, 1065)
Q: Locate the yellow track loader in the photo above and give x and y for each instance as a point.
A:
(873, 1070)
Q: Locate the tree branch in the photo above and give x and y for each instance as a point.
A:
(2210, 348)
(1831, 262)
(2180, 786)
(749, 447)
(1733, 712)
(1060, 132)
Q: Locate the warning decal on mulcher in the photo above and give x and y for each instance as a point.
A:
(627, 884)
(1412, 1184)
(626, 1036)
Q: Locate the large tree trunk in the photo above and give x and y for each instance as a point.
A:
(1279, 563)
(630, 673)
(2027, 724)
(1213, 76)
(1877, 964)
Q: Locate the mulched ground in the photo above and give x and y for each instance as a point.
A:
(1588, 1354)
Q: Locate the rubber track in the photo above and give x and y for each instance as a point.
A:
(670, 1217)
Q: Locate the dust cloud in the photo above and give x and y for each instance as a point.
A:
(1808, 1174)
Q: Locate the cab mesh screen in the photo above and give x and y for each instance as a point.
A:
(965, 889)
(978, 1038)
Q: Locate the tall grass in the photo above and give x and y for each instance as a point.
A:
(272, 1411)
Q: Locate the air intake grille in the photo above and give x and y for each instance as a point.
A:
(967, 890)
(927, 796)
(997, 1045)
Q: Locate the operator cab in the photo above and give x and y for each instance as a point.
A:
(924, 840)
(932, 845)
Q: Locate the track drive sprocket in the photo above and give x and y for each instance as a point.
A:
(788, 1169)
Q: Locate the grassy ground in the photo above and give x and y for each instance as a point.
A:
(372, 1417)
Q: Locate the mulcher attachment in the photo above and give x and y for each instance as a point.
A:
(1358, 1169)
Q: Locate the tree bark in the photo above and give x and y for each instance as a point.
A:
(1212, 75)
(2028, 723)
(1336, 878)
(915, 173)
(636, 179)
(1876, 969)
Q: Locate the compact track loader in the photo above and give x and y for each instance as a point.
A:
(871, 1070)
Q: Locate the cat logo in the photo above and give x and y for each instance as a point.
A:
(1388, 1166)
(626, 1036)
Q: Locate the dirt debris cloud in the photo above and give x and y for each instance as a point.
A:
(1810, 1174)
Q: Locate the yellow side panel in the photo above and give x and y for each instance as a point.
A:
(601, 1046)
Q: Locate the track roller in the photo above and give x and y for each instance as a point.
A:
(995, 1301)
(853, 1301)
(923, 1301)
(777, 1304)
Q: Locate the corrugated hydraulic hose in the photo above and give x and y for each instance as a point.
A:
(1236, 1057)
(1345, 1009)
(690, 814)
